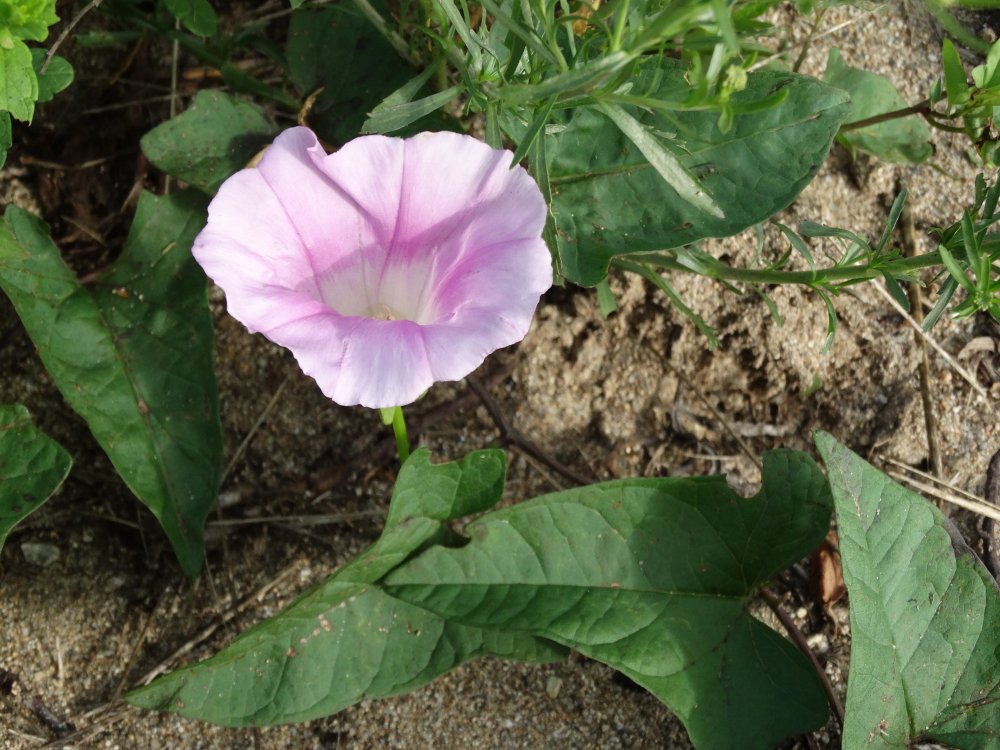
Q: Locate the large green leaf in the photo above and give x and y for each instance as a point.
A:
(608, 199)
(905, 140)
(651, 576)
(32, 466)
(213, 138)
(337, 49)
(132, 355)
(18, 84)
(347, 639)
(925, 617)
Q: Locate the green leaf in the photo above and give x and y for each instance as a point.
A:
(213, 138)
(905, 140)
(663, 160)
(347, 639)
(6, 137)
(32, 466)
(198, 16)
(390, 118)
(608, 200)
(56, 77)
(925, 617)
(342, 52)
(653, 577)
(955, 84)
(133, 357)
(27, 19)
(18, 83)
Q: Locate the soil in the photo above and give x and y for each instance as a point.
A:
(638, 393)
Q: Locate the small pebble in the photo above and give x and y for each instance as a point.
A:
(553, 685)
(42, 554)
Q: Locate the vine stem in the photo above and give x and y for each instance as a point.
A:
(721, 271)
(399, 430)
(920, 108)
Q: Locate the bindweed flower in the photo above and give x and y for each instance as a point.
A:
(384, 267)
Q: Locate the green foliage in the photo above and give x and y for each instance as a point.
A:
(18, 84)
(27, 19)
(609, 201)
(341, 52)
(905, 140)
(925, 617)
(621, 571)
(132, 355)
(32, 466)
(198, 16)
(651, 576)
(213, 138)
(347, 639)
(21, 20)
(969, 252)
(976, 106)
(57, 76)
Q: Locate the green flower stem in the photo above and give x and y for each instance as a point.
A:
(394, 415)
(903, 267)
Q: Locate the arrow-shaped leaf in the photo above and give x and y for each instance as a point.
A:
(652, 577)
(347, 639)
(32, 466)
(925, 617)
(133, 356)
(609, 200)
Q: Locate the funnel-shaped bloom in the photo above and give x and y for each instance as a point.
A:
(385, 266)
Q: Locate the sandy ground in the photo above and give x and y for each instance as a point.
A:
(638, 393)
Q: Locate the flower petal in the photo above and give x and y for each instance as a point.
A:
(385, 266)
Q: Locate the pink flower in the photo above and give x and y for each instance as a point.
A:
(384, 267)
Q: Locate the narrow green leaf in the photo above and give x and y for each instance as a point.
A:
(198, 16)
(896, 291)
(608, 200)
(18, 83)
(133, 357)
(606, 299)
(891, 220)
(346, 639)
(389, 119)
(32, 466)
(56, 77)
(945, 294)
(955, 83)
(925, 617)
(956, 271)
(213, 138)
(905, 140)
(535, 127)
(652, 577)
(831, 321)
(798, 244)
(663, 161)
